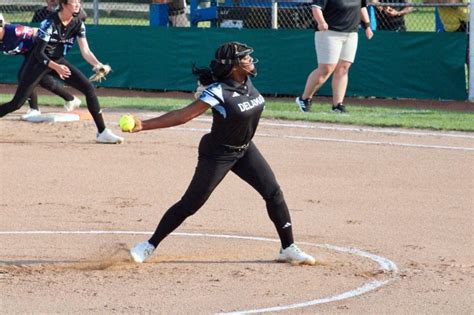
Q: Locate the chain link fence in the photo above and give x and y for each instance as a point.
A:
(101, 12)
(394, 15)
(401, 15)
(265, 14)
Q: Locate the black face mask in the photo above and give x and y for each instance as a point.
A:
(252, 73)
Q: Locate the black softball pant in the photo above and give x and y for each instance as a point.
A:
(47, 82)
(213, 165)
(34, 72)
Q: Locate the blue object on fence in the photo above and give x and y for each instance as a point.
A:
(373, 19)
(159, 14)
(438, 22)
(203, 14)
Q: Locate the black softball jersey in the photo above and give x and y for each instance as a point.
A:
(57, 38)
(341, 15)
(236, 110)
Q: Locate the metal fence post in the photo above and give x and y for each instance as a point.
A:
(471, 52)
(96, 12)
(274, 14)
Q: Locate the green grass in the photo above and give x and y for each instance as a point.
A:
(358, 115)
(377, 116)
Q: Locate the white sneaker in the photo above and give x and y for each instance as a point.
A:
(69, 106)
(295, 256)
(108, 136)
(31, 113)
(142, 251)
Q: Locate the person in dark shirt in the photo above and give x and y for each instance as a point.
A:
(336, 45)
(236, 108)
(391, 18)
(177, 13)
(17, 39)
(56, 35)
(45, 11)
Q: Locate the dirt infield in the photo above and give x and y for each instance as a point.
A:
(360, 199)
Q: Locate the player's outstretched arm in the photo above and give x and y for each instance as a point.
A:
(172, 118)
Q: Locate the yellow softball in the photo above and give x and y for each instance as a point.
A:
(127, 123)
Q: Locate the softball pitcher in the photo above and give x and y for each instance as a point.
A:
(236, 107)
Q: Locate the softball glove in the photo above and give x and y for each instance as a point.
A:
(101, 72)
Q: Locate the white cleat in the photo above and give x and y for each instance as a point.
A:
(295, 256)
(108, 136)
(142, 251)
(69, 106)
(31, 113)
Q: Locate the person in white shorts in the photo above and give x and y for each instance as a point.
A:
(336, 40)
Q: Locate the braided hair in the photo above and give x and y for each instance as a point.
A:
(225, 57)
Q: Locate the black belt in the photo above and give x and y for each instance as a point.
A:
(233, 148)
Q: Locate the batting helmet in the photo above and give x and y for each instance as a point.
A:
(231, 53)
(226, 57)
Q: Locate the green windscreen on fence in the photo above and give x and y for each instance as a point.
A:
(404, 65)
